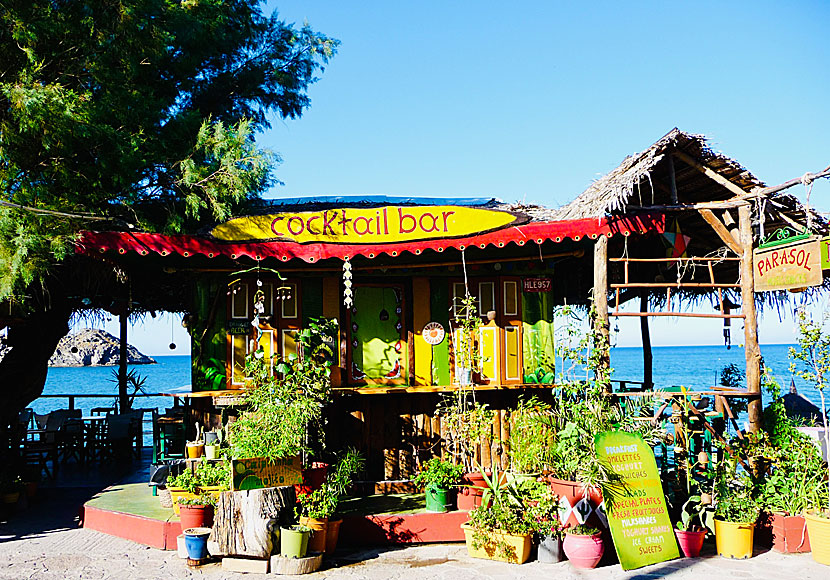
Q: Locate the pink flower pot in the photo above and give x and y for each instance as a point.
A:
(584, 551)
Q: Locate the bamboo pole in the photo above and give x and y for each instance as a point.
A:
(752, 350)
(123, 399)
(601, 300)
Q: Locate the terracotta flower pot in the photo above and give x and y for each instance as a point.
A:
(691, 541)
(573, 493)
(332, 535)
(789, 534)
(469, 494)
(317, 540)
(584, 551)
(196, 516)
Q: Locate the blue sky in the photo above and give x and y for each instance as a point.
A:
(531, 101)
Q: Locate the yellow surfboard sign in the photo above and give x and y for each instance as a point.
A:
(378, 225)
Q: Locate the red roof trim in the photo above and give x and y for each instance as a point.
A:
(92, 243)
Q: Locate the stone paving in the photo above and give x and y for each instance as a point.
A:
(45, 543)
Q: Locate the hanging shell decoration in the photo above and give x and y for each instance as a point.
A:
(347, 284)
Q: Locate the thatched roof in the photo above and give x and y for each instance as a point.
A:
(632, 182)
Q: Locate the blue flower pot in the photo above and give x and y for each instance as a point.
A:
(195, 540)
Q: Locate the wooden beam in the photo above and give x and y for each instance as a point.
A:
(752, 350)
(646, 338)
(601, 299)
(710, 173)
(672, 180)
(720, 229)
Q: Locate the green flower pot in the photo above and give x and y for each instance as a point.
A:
(438, 499)
(294, 542)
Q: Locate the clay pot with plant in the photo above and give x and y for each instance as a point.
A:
(811, 362)
(583, 546)
(317, 510)
(196, 512)
(696, 517)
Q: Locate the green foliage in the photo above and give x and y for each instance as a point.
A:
(284, 406)
(204, 499)
(467, 422)
(531, 435)
(466, 319)
(696, 510)
(139, 112)
(439, 473)
(733, 376)
(811, 362)
(796, 474)
(185, 480)
(736, 493)
(323, 501)
(581, 530)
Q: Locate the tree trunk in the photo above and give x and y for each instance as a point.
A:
(246, 522)
(23, 369)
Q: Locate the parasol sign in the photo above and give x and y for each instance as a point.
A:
(788, 267)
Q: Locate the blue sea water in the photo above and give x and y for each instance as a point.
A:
(171, 374)
(697, 367)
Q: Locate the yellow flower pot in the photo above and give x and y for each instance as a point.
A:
(733, 539)
(818, 528)
(518, 547)
(177, 493)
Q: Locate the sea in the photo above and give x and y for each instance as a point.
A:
(696, 367)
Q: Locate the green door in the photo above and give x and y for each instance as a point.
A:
(377, 335)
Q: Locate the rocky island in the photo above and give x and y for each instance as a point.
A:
(90, 348)
(93, 347)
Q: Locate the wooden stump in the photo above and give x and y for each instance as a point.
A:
(293, 566)
(246, 522)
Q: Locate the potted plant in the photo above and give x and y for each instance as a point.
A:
(814, 355)
(213, 477)
(583, 546)
(284, 416)
(501, 528)
(542, 512)
(196, 512)
(294, 541)
(196, 448)
(439, 477)
(736, 513)
(317, 509)
(796, 475)
(183, 486)
(690, 535)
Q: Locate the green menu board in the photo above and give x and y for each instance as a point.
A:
(640, 523)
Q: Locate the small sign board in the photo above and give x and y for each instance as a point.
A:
(239, 326)
(825, 253)
(433, 333)
(788, 267)
(259, 472)
(640, 523)
(537, 284)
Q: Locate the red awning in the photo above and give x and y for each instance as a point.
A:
(93, 243)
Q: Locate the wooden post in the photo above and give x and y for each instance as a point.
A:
(646, 336)
(753, 351)
(123, 400)
(601, 302)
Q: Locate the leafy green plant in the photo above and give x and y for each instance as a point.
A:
(467, 422)
(796, 470)
(696, 510)
(211, 474)
(736, 494)
(531, 436)
(185, 480)
(204, 499)
(439, 473)
(813, 354)
(581, 530)
(285, 406)
(323, 501)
